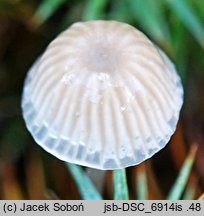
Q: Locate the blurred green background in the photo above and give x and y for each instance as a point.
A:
(27, 27)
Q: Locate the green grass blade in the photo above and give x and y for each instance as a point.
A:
(46, 9)
(181, 181)
(189, 18)
(84, 183)
(120, 185)
(180, 40)
(120, 12)
(199, 8)
(94, 9)
(152, 17)
(142, 190)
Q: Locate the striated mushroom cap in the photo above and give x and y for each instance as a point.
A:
(102, 95)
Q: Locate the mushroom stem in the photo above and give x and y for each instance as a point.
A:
(120, 185)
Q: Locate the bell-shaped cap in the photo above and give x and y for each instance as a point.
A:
(102, 95)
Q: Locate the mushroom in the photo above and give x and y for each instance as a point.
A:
(102, 95)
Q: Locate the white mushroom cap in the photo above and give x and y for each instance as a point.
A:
(102, 95)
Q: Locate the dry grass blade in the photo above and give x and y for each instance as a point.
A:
(201, 197)
(44, 11)
(35, 177)
(142, 188)
(10, 186)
